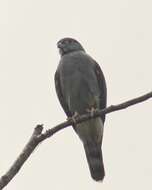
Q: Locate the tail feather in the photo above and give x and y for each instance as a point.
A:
(95, 160)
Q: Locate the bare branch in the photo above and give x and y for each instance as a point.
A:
(5, 179)
(38, 136)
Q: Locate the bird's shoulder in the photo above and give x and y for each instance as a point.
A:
(77, 57)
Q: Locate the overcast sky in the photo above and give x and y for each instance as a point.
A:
(118, 34)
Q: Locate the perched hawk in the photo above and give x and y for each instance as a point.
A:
(81, 86)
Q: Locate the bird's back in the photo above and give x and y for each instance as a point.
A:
(80, 86)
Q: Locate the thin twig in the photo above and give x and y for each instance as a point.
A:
(38, 136)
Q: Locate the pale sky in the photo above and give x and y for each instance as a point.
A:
(118, 34)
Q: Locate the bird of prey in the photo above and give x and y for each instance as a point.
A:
(81, 87)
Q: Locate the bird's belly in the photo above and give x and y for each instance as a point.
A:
(81, 92)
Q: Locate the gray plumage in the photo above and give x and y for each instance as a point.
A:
(80, 85)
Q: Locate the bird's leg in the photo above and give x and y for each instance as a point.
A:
(73, 118)
(91, 111)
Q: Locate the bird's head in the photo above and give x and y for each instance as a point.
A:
(68, 45)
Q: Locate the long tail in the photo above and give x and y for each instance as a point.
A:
(95, 160)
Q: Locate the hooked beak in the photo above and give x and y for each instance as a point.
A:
(59, 45)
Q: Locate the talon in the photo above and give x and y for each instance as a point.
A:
(73, 118)
(91, 111)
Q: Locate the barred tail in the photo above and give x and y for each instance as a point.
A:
(95, 160)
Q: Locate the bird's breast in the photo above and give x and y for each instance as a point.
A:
(80, 86)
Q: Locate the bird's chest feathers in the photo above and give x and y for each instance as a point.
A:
(73, 69)
(79, 84)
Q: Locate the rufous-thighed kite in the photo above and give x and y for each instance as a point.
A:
(80, 87)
